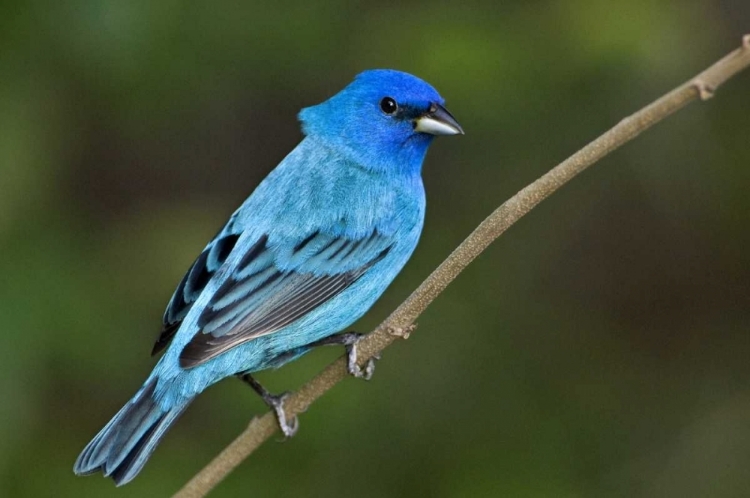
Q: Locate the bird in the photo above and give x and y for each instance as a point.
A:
(307, 253)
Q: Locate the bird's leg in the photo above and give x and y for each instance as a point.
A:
(349, 340)
(276, 403)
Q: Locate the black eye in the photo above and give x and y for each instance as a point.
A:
(388, 106)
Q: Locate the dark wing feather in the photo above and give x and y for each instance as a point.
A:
(264, 299)
(194, 281)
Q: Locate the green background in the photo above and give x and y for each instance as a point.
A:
(600, 348)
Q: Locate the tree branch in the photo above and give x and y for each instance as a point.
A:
(399, 323)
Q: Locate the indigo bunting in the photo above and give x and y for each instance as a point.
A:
(306, 255)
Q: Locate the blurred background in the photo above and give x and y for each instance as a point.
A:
(599, 348)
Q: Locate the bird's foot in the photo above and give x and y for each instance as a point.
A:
(349, 340)
(352, 365)
(276, 403)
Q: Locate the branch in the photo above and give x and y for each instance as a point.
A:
(401, 321)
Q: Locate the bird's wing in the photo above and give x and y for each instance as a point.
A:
(262, 296)
(195, 280)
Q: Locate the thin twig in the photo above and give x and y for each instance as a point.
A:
(400, 321)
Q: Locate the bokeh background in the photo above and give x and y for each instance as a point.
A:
(600, 348)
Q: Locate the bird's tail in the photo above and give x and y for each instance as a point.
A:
(121, 449)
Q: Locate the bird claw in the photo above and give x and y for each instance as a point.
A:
(352, 365)
(276, 403)
(350, 340)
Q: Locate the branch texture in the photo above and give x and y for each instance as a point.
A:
(401, 321)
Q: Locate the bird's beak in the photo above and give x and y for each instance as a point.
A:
(438, 121)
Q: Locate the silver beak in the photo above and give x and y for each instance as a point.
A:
(438, 121)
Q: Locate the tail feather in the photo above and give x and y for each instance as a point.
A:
(132, 464)
(123, 446)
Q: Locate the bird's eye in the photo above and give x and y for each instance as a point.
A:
(388, 106)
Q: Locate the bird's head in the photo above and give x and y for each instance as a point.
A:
(384, 120)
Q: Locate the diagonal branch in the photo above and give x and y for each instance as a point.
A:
(399, 323)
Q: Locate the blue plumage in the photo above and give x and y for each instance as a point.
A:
(307, 254)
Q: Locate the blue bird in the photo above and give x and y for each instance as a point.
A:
(306, 255)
